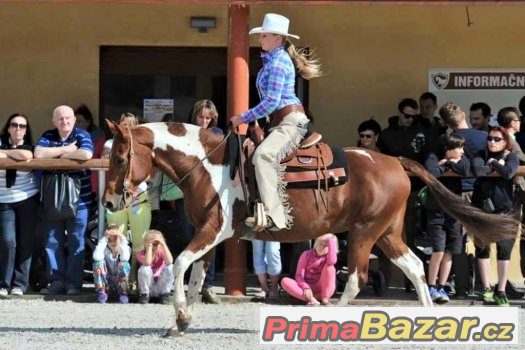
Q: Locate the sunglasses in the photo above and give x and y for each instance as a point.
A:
(494, 138)
(16, 126)
(365, 136)
(408, 116)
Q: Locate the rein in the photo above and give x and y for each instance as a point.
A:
(203, 159)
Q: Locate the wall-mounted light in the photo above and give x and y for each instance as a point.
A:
(203, 23)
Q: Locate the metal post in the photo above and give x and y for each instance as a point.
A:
(101, 208)
(238, 101)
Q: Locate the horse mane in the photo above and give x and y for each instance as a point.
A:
(483, 227)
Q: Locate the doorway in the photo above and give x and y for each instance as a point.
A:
(131, 74)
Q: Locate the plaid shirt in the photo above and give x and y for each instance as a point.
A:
(275, 84)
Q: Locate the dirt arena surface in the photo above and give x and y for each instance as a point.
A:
(35, 323)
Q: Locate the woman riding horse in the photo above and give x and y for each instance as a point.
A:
(276, 87)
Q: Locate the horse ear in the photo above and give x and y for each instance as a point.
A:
(112, 126)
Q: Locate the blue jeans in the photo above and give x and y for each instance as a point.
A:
(61, 272)
(266, 257)
(17, 233)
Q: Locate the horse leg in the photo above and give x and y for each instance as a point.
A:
(392, 244)
(183, 317)
(182, 308)
(358, 259)
(198, 273)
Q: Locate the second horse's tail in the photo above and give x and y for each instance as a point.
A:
(485, 228)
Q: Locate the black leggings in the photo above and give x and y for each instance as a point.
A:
(503, 250)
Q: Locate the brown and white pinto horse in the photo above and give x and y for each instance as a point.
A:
(370, 206)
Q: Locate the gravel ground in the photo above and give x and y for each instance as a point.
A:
(39, 324)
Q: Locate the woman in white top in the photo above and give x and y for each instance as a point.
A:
(18, 207)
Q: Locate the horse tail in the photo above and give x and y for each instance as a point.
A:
(483, 227)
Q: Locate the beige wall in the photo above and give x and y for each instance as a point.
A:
(50, 52)
(372, 55)
(375, 55)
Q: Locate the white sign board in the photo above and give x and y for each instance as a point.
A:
(498, 87)
(155, 109)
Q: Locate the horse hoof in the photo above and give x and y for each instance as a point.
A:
(173, 332)
(183, 323)
(342, 303)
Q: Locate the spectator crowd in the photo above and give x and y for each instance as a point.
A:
(132, 258)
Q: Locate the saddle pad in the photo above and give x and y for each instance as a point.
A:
(339, 168)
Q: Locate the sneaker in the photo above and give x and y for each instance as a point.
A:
(143, 298)
(123, 299)
(444, 296)
(164, 299)
(209, 296)
(102, 297)
(17, 291)
(3, 292)
(52, 289)
(73, 291)
(488, 296)
(501, 299)
(435, 295)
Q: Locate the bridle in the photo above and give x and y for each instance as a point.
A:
(127, 193)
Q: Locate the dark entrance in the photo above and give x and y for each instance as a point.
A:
(130, 74)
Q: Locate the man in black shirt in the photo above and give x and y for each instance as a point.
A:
(402, 137)
(479, 116)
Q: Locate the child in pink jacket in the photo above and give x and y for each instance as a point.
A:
(315, 276)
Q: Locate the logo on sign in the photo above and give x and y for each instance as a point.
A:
(440, 80)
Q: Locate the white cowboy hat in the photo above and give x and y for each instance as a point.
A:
(275, 24)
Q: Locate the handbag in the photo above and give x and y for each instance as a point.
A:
(59, 196)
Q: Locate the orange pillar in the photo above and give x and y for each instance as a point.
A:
(238, 99)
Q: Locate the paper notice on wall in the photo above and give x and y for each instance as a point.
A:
(156, 109)
(498, 87)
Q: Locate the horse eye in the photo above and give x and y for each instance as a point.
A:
(119, 160)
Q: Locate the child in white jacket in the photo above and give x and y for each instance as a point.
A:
(111, 267)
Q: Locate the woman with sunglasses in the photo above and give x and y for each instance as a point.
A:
(495, 195)
(18, 202)
(369, 131)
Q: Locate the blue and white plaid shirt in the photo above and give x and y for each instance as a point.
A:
(275, 84)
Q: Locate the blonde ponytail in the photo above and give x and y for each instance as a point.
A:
(308, 67)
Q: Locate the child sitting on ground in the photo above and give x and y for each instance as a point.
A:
(155, 275)
(111, 266)
(315, 274)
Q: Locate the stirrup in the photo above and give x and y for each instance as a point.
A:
(260, 221)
